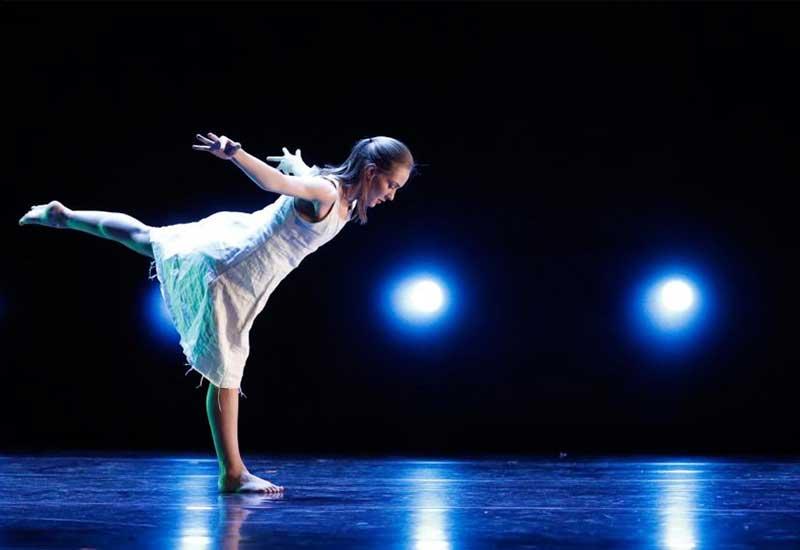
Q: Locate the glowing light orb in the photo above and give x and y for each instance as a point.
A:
(424, 296)
(672, 303)
(422, 301)
(419, 299)
(673, 309)
(676, 295)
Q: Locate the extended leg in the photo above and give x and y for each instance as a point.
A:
(115, 226)
(222, 407)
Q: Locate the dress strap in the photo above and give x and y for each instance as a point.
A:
(334, 181)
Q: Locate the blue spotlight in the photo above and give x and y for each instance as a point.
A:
(419, 299)
(158, 318)
(671, 308)
(421, 302)
(672, 302)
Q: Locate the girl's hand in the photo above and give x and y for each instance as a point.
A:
(291, 164)
(223, 147)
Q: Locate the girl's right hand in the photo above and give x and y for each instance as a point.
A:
(220, 147)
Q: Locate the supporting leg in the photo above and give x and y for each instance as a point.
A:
(222, 407)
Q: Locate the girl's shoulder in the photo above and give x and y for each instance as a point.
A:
(331, 179)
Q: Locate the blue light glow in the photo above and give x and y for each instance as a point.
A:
(671, 308)
(419, 298)
(672, 303)
(420, 301)
(158, 318)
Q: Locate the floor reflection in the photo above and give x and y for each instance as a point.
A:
(233, 513)
(432, 497)
(121, 502)
(679, 487)
(196, 508)
(209, 519)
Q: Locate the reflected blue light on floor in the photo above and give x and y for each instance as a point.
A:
(677, 503)
(430, 527)
(158, 318)
(195, 511)
(346, 502)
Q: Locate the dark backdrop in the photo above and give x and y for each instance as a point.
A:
(565, 151)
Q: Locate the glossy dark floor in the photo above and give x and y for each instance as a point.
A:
(172, 502)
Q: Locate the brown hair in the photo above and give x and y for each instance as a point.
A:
(381, 151)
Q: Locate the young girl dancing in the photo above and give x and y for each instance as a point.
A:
(216, 274)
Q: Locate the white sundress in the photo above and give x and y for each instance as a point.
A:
(217, 274)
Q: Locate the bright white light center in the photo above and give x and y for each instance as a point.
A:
(676, 296)
(425, 297)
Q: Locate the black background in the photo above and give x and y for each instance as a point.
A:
(565, 151)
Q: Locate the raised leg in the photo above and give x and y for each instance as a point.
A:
(115, 226)
(222, 407)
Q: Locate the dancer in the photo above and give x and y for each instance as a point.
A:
(216, 274)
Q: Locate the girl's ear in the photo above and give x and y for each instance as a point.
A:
(369, 171)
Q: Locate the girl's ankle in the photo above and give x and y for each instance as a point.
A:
(233, 472)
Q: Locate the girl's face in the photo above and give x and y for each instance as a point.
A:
(386, 184)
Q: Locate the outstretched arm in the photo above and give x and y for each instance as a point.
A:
(262, 174)
(265, 176)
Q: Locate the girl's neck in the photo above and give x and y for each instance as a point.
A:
(344, 194)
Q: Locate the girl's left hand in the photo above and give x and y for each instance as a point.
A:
(221, 147)
(290, 164)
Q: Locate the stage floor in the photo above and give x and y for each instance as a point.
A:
(107, 501)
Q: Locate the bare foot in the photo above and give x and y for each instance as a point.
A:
(52, 214)
(246, 483)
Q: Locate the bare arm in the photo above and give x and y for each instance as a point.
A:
(310, 188)
(262, 174)
(268, 178)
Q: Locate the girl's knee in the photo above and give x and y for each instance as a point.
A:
(142, 243)
(141, 236)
